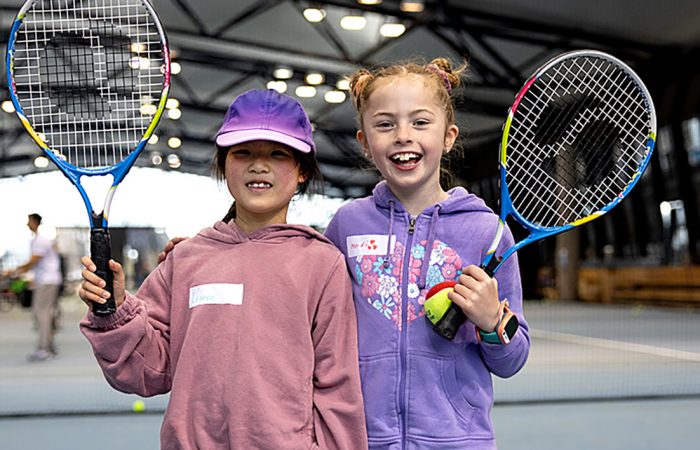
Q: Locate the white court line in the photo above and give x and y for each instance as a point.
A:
(616, 345)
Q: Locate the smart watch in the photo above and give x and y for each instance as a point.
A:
(505, 328)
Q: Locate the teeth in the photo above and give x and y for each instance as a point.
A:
(404, 157)
(259, 185)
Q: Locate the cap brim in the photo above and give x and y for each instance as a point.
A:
(239, 136)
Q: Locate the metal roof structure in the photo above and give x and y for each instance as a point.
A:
(228, 47)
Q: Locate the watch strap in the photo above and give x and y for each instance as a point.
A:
(505, 328)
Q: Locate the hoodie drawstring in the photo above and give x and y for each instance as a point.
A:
(429, 247)
(391, 230)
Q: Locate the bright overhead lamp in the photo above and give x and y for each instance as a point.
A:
(305, 91)
(277, 85)
(174, 114)
(153, 140)
(156, 159)
(412, 6)
(174, 142)
(41, 162)
(138, 47)
(392, 30)
(343, 85)
(369, 2)
(148, 109)
(283, 73)
(334, 97)
(8, 106)
(353, 23)
(175, 68)
(174, 161)
(314, 15)
(314, 78)
(172, 103)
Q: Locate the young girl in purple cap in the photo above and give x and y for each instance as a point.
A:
(422, 391)
(250, 324)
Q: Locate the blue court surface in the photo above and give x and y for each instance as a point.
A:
(599, 377)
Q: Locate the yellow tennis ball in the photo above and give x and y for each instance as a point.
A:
(138, 406)
(437, 302)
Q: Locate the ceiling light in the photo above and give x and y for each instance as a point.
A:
(172, 103)
(156, 159)
(148, 109)
(277, 85)
(334, 97)
(343, 85)
(174, 113)
(353, 23)
(392, 30)
(314, 14)
(41, 162)
(305, 91)
(412, 6)
(174, 161)
(283, 73)
(138, 62)
(369, 2)
(174, 142)
(153, 140)
(138, 47)
(8, 106)
(175, 68)
(314, 78)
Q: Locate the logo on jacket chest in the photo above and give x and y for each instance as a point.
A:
(369, 244)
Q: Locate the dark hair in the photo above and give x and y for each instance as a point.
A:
(35, 217)
(308, 168)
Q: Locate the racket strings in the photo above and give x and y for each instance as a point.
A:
(576, 142)
(88, 75)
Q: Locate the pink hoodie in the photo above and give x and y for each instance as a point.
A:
(254, 336)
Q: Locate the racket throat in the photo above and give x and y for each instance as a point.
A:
(490, 267)
(98, 221)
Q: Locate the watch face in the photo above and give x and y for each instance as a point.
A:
(512, 326)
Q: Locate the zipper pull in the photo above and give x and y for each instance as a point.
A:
(411, 225)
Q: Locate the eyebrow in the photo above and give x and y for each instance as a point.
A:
(414, 112)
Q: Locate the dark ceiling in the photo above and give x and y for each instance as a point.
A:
(227, 47)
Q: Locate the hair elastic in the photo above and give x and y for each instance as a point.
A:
(438, 71)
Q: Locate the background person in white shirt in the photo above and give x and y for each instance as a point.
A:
(46, 265)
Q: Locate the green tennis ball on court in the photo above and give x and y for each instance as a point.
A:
(436, 301)
(138, 406)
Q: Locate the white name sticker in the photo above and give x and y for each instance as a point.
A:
(216, 294)
(368, 244)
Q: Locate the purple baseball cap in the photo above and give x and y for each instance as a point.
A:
(269, 116)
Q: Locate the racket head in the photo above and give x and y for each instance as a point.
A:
(576, 141)
(89, 80)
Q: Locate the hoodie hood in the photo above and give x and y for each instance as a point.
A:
(230, 233)
(459, 200)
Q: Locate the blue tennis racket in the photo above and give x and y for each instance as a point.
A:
(89, 80)
(576, 141)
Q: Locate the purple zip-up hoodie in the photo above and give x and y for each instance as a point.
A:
(422, 391)
(254, 336)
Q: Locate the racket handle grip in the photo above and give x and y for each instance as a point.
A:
(101, 253)
(450, 322)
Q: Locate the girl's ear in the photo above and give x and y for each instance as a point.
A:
(301, 179)
(450, 137)
(362, 139)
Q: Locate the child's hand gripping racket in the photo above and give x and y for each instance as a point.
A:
(89, 80)
(576, 140)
